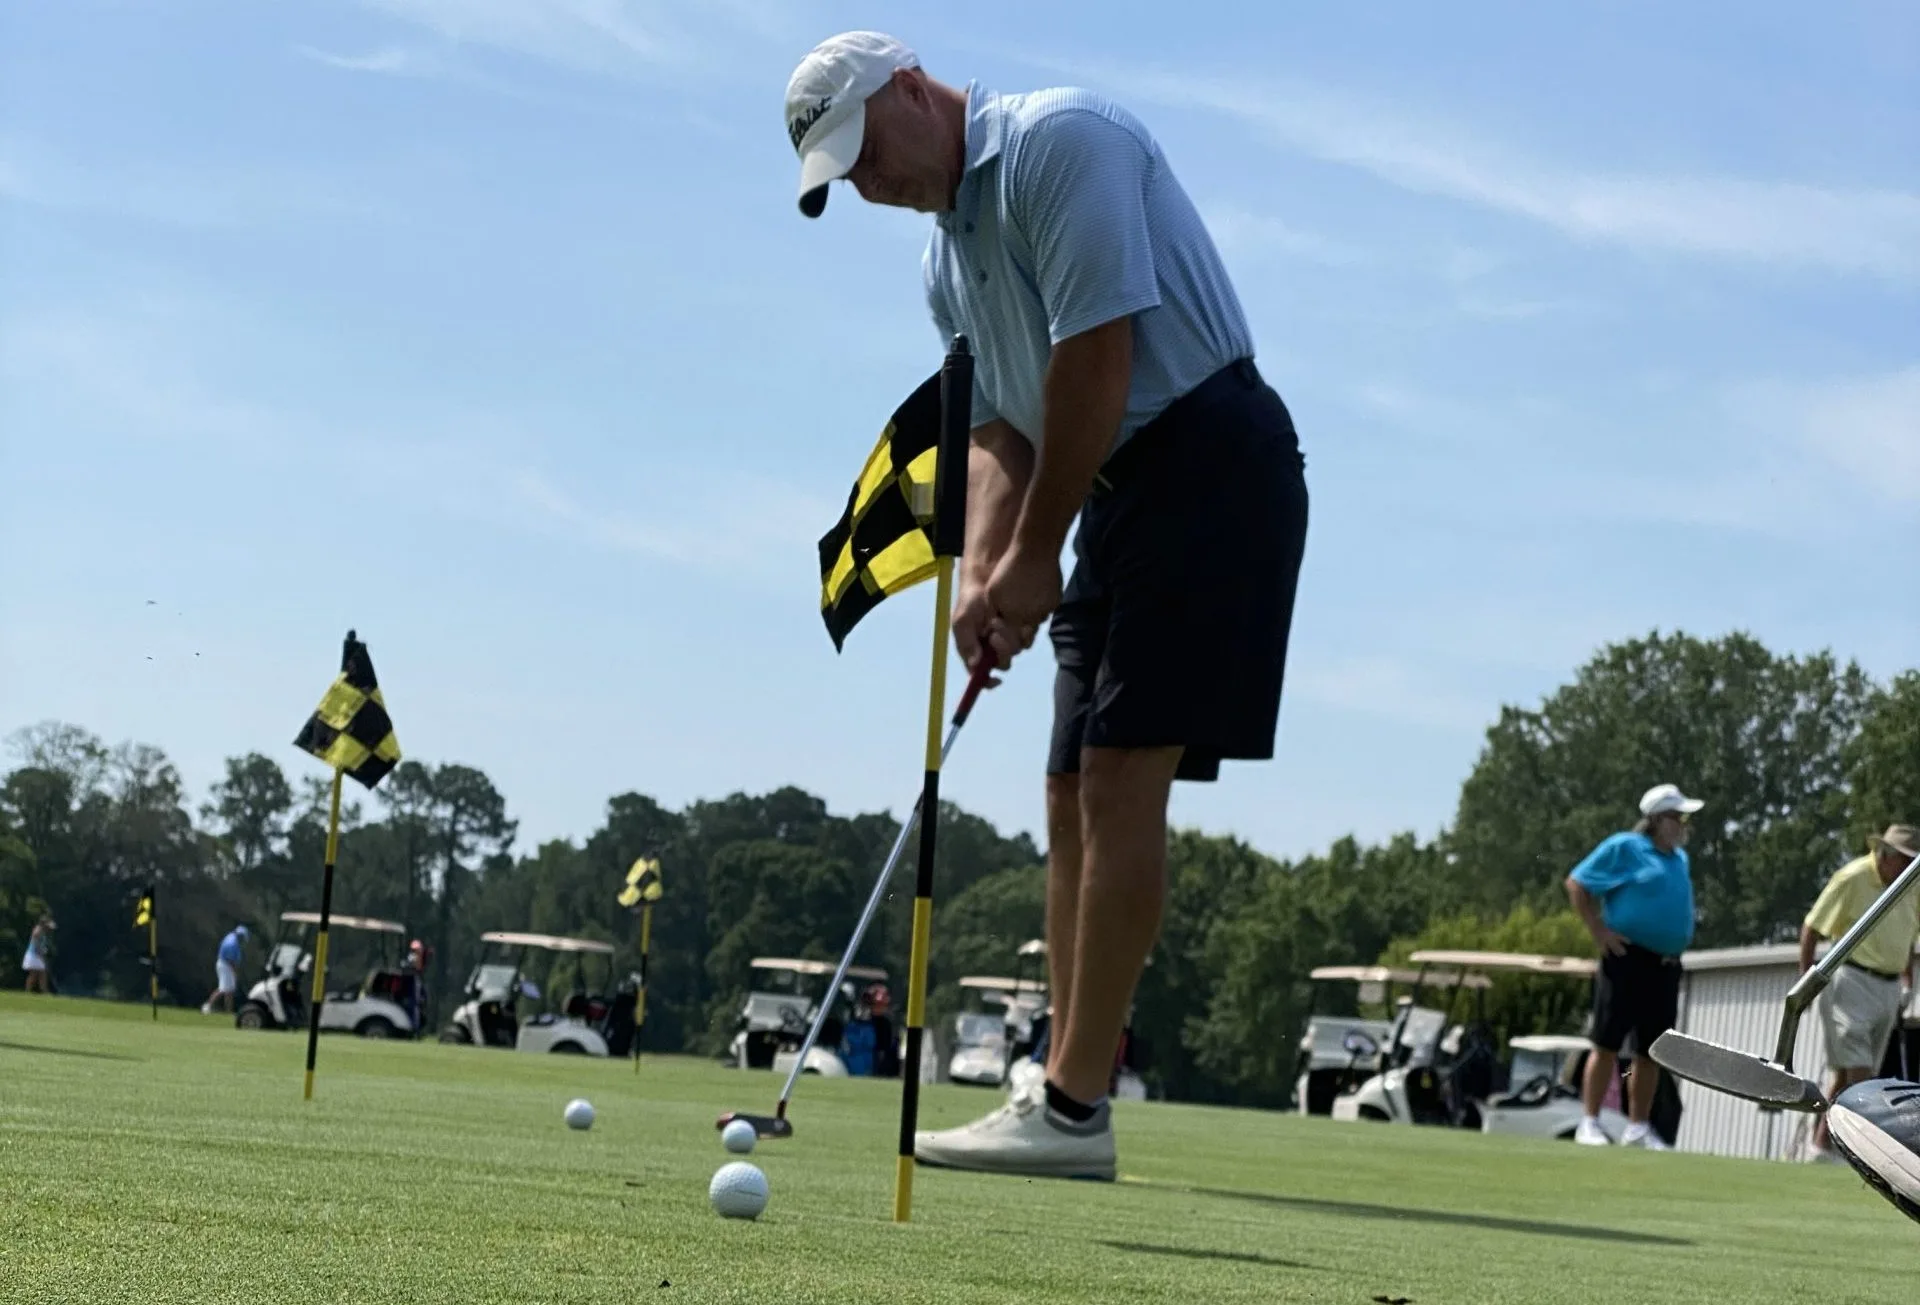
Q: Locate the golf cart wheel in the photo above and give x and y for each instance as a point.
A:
(568, 1049)
(454, 1033)
(374, 1026)
(251, 1016)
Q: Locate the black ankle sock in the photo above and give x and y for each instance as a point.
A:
(1060, 1103)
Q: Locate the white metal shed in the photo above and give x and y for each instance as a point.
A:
(1733, 996)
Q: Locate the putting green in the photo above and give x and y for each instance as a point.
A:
(177, 1162)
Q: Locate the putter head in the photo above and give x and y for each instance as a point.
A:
(1737, 1073)
(763, 1125)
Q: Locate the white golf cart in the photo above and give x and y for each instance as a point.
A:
(587, 1023)
(385, 1004)
(781, 1007)
(1339, 1052)
(1028, 1070)
(986, 1041)
(1449, 1072)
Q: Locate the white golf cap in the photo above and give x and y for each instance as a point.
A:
(827, 106)
(1662, 798)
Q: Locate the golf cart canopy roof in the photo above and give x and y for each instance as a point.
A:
(1034, 947)
(995, 984)
(343, 921)
(549, 942)
(1548, 1042)
(1385, 974)
(816, 967)
(1515, 962)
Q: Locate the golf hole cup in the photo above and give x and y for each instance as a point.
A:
(738, 1191)
(579, 1113)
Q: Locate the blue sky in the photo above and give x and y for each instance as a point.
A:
(490, 329)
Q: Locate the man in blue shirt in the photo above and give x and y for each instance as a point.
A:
(1114, 381)
(226, 972)
(1634, 892)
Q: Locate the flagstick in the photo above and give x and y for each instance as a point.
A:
(949, 537)
(320, 945)
(153, 950)
(640, 1005)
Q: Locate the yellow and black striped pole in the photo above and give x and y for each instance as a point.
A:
(320, 942)
(640, 1001)
(153, 951)
(949, 538)
(145, 915)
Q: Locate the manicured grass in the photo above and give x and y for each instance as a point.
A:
(177, 1162)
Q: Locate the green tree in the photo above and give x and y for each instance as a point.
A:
(1341, 908)
(1883, 761)
(1515, 1004)
(1759, 737)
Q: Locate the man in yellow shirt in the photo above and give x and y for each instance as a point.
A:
(1861, 1007)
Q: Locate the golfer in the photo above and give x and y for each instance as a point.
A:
(1114, 380)
(1634, 893)
(39, 945)
(226, 976)
(1860, 1008)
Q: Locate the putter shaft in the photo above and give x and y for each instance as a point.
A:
(965, 708)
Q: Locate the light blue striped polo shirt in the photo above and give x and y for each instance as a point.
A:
(1068, 216)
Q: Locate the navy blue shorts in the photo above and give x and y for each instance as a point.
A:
(1172, 629)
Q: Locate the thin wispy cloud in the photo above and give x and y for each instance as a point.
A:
(390, 61)
(750, 526)
(601, 36)
(1241, 232)
(1387, 687)
(1866, 427)
(184, 195)
(1865, 231)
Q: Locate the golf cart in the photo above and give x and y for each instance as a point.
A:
(590, 1023)
(986, 1042)
(1339, 1052)
(780, 1009)
(385, 1004)
(1463, 1083)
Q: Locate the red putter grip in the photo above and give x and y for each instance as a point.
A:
(975, 682)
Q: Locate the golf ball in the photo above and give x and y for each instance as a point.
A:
(738, 1137)
(579, 1113)
(738, 1190)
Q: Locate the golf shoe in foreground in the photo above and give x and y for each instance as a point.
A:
(1025, 1137)
(1876, 1126)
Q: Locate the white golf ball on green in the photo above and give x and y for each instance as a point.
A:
(579, 1113)
(738, 1190)
(738, 1137)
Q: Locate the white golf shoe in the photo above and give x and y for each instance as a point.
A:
(1591, 1134)
(1025, 1137)
(1643, 1136)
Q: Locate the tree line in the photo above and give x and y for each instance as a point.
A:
(1798, 758)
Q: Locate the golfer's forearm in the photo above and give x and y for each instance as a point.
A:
(999, 465)
(1084, 399)
(1808, 941)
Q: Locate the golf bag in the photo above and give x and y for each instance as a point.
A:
(618, 1026)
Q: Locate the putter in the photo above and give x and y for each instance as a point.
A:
(1775, 1082)
(777, 1124)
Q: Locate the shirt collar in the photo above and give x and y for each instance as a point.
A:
(985, 119)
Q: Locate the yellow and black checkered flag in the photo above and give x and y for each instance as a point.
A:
(883, 542)
(350, 729)
(643, 883)
(143, 913)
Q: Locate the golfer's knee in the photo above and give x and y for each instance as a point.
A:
(1136, 780)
